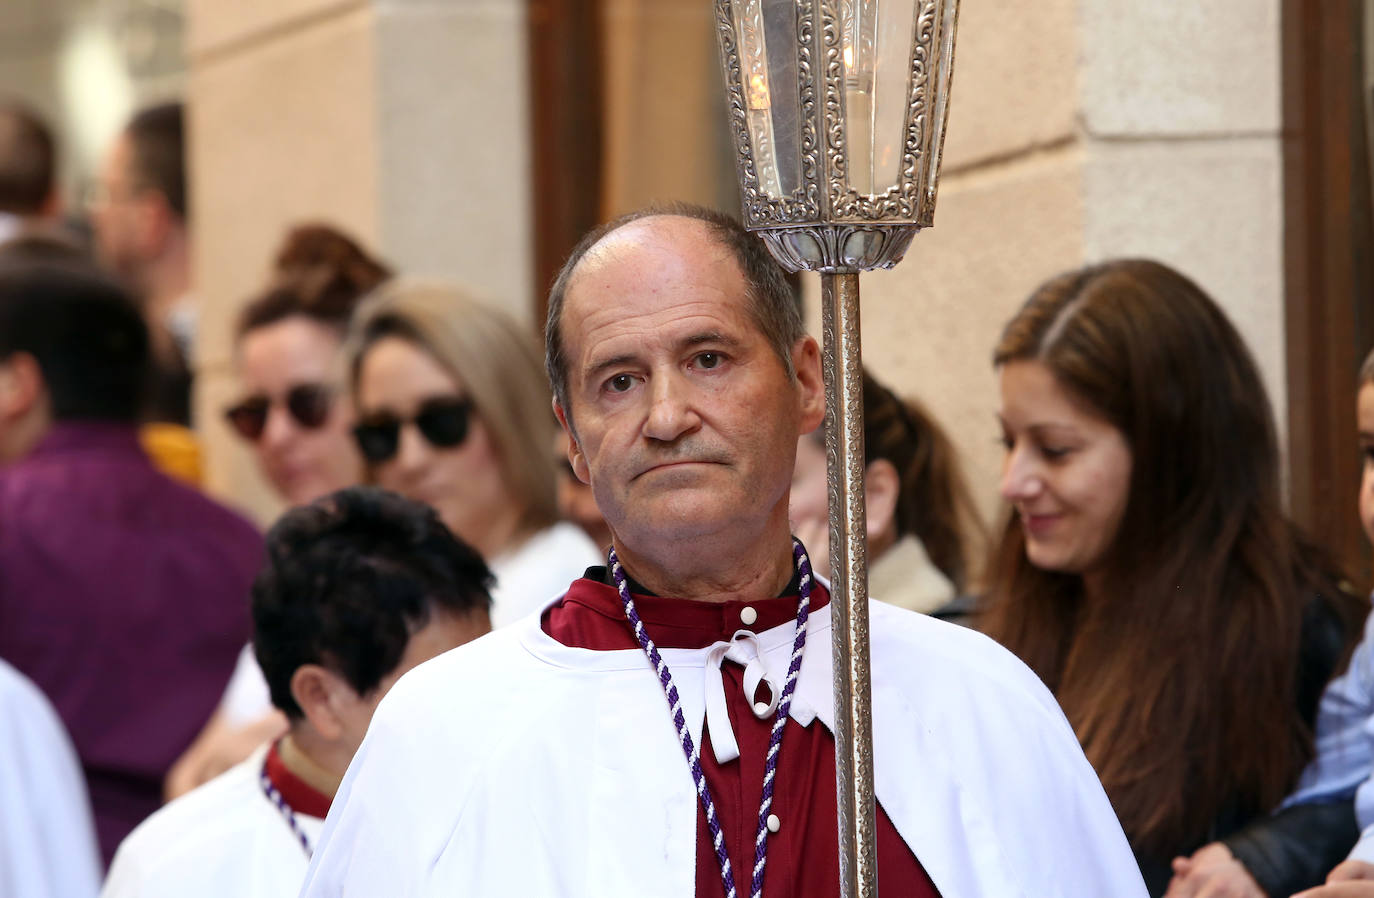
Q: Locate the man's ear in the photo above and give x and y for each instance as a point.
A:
(882, 489)
(316, 689)
(21, 385)
(575, 456)
(806, 361)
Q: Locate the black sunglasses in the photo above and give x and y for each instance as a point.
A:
(442, 422)
(308, 405)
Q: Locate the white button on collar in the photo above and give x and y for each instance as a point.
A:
(748, 615)
(760, 709)
(774, 824)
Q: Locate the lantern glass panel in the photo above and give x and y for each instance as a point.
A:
(875, 54)
(767, 35)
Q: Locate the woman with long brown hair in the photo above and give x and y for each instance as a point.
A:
(1148, 573)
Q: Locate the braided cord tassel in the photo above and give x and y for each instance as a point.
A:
(685, 737)
(780, 721)
(279, 800)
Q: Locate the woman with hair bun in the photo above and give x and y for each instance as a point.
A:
(296, 413)
(297, 416)
(1148, 573)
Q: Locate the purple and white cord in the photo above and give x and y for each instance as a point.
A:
(684, 736)
(279, 801)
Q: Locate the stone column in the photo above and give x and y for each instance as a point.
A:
(402, 121)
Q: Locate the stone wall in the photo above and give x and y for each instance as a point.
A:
(1081, 131)
(402, 121)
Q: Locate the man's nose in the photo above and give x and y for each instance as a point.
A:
(671, 414)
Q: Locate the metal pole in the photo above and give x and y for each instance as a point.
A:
(844, 449)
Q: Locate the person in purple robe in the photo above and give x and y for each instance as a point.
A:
(123, 594)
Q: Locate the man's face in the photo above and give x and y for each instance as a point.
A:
(684, 420)
(117, 211)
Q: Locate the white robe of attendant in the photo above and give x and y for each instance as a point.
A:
(519, 766)
(224, 838)
(47, 837)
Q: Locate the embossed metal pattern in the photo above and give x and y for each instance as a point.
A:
(844, 449)
(825, 196)
(759, 208)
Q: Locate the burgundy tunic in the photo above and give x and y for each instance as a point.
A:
(803, 856)
(124, 597)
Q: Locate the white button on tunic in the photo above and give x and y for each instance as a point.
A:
(774, 824)
(748, 615)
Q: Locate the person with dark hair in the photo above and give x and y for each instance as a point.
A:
(358, 588)
(683, 377)
(1148, 573)
(28, 169)
(921, 517)
(142, 234)
(121, 591)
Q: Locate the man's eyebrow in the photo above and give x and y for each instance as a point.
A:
(615, 361)
(708, 337)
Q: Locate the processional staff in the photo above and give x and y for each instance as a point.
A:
(837, 114)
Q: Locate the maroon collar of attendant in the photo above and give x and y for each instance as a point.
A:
(591, 616)
(302, 797)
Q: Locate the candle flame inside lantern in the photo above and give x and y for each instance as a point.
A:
(758, 92)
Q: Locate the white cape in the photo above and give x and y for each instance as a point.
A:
(223, 838)
(519, 766)
(47, 837)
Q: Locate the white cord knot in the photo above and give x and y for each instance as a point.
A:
(743, 648)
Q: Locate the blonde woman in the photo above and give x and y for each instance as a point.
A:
(453, 410)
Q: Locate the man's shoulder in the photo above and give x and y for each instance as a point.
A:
(484, 672)
(938, 659)
(196, 831)
(206, 814)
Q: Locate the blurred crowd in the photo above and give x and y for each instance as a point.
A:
(161, 659)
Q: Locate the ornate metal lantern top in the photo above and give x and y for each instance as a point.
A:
(837, 112)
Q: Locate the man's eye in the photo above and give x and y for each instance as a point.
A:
(708, 360)
(1054, 453)
(620, 383)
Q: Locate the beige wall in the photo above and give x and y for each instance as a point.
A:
(403, 121)
(1081, 131)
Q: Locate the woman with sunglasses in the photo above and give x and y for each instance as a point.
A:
(453, 410)
(295, 414)
(297, 417)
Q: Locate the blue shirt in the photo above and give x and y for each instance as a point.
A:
(1344, 759)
